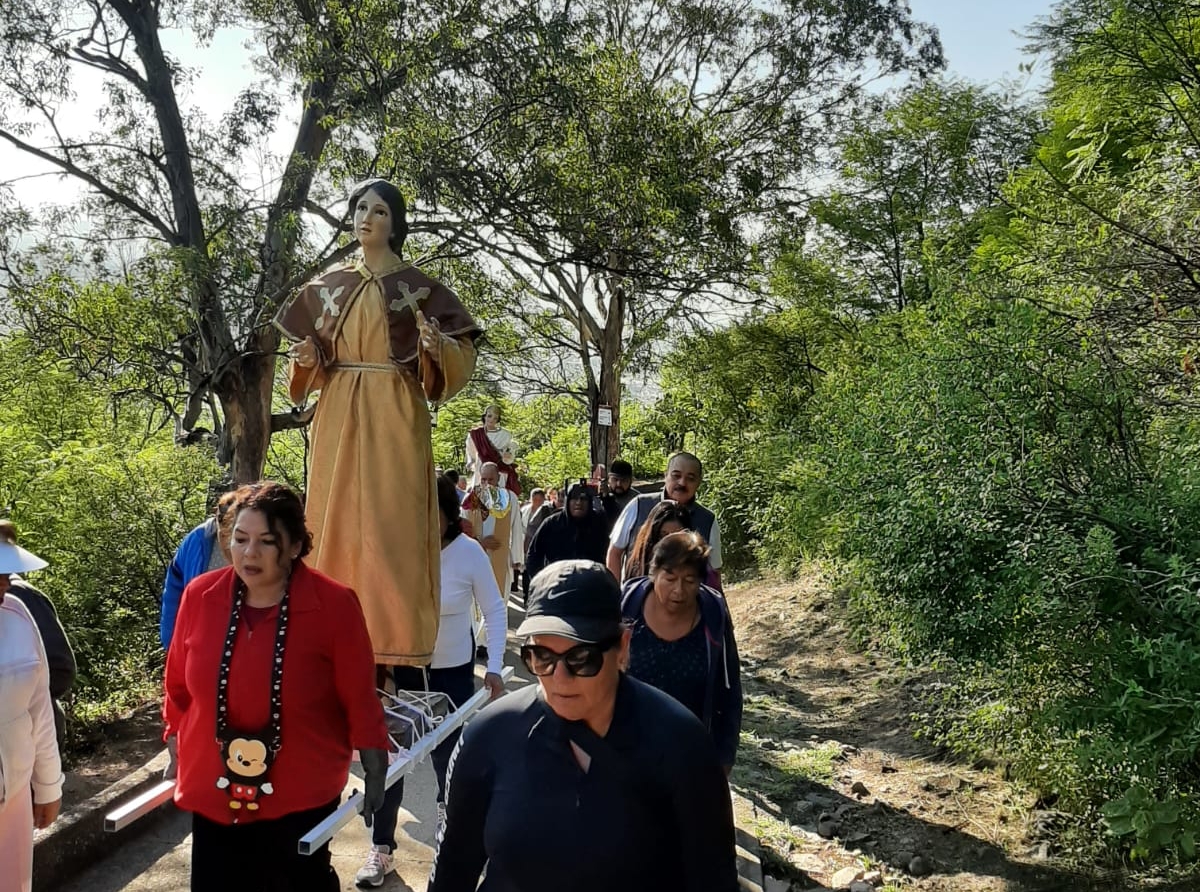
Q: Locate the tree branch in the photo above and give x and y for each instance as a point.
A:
(96, 183)
(336, 224)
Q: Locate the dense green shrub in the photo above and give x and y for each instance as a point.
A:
(106, 503)
(1027, 516)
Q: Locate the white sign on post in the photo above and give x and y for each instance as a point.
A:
(604, 416)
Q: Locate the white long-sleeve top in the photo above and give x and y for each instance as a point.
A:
(467, 579)
(28, 747)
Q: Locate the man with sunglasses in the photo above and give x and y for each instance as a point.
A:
(619, 784)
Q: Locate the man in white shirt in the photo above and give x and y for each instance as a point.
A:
(685, 473)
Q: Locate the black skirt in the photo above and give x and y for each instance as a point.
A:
(261, 856)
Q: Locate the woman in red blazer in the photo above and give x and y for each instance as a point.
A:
(270, 684)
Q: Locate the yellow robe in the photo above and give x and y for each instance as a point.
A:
(372, 500)
(501, 558)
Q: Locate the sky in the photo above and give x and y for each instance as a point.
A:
(978, 37)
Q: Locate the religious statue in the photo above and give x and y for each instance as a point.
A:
(489, 442)
(379, 339)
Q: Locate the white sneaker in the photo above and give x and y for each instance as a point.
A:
(376, 868)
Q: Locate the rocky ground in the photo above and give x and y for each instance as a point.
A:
(103, 754)
(841, 793)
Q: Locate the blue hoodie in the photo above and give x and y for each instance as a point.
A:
(723, 692)
(191, 559)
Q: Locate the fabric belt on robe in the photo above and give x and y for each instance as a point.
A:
(363, 367)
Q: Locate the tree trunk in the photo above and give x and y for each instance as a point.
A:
(606, 441)
(247, 387)
(246, 404)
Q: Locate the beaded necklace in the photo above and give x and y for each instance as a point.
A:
(270, 735)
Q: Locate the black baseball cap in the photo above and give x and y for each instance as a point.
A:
(579, 600)
(621, 468)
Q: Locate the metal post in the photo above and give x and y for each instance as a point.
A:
(120, 818)
(324, 831)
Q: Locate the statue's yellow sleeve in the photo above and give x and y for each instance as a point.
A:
(443, 379)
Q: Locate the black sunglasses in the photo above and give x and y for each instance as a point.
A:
(583, 660)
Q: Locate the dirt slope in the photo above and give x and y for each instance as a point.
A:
(838, 782)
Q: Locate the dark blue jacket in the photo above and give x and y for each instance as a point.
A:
(191, 559)
(723, 696)
(59, 655)
(651, 813)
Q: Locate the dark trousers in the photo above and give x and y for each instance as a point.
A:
(457, 683)
(261, 856)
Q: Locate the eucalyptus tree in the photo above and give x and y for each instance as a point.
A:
(154, 169)
(618, 180)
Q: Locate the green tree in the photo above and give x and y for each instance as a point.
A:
(614, 182)
(915, 173)
(1107, 209)
(105, 498)
(154, 170)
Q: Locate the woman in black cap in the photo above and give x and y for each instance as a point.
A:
(589, 780)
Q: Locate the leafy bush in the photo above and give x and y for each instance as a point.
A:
(1024, 515)
(106, 504)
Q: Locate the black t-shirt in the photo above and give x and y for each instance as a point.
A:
(613, 504)
(651, 813)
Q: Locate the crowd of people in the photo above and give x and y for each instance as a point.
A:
(284, 617)
(621, 588)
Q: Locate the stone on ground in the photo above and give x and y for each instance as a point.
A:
(844, 877)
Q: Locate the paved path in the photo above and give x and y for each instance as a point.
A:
(159, 860)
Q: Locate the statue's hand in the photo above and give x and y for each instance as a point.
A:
(305, 353)
(430, 332)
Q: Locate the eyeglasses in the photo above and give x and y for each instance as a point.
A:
(583, 660)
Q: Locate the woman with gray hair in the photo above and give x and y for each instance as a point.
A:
(683, 640)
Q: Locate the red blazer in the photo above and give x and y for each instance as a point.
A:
(329, 702)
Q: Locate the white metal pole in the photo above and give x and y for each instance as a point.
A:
(324, 831)
(120, 818)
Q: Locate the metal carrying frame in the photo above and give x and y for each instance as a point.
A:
(440, 727)
(122, 817)
(417, 722)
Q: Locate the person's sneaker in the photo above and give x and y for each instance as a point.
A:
(376, 868)
(441, 820)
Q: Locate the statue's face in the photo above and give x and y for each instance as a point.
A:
(372, 220)
(491, 418)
